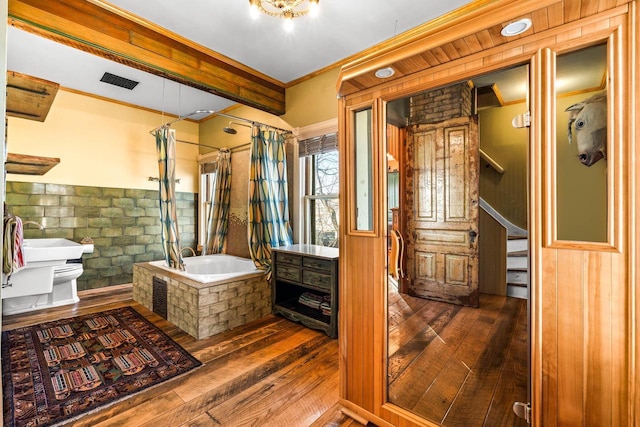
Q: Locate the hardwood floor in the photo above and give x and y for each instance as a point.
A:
(456, 365)
(271, 372)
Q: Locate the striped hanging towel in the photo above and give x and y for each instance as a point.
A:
(13, 256)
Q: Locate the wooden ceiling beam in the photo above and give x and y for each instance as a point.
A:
(103, 30)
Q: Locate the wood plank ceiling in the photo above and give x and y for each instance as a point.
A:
(98, 28)
(360, 75)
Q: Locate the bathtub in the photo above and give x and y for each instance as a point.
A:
(215, 294)
(212, 268)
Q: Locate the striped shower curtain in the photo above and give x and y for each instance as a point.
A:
(218, 214)
(268, 197)
(166, 148)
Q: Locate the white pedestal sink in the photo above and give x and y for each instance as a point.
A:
(41, 256)
(50, 250)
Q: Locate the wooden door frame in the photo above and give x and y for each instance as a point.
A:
(363, 349)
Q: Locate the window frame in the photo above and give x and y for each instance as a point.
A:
(301, 170)
(309, 197)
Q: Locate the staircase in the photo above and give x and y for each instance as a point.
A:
(517, 254)
(517, 266)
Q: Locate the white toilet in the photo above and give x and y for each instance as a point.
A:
(64, 291)
(65, 287)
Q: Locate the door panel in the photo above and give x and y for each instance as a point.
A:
(442, 254)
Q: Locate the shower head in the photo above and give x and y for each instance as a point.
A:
(232, 131)
(229, 130)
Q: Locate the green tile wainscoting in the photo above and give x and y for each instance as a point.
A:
(123, 223)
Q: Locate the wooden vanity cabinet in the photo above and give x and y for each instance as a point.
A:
(311, 270)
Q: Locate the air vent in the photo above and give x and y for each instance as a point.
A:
(112, 79)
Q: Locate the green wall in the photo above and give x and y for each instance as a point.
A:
(123, 223)
(506, 192)
(581, 190)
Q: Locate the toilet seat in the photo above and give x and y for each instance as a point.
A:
(66, 272)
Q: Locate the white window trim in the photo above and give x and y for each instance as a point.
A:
(299, 172)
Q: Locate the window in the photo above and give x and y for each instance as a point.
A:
(208, 180)
(319, 158)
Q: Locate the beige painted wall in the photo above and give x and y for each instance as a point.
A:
(211, 133)
(101, 144)
(313, 100)
(309, 102)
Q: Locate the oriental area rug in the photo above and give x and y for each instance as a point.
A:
(57, 371)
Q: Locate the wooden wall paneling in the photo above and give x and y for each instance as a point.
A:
(583, 299)
(530, 44)
(379, 284)
(492, 248)
(634, 201)
(345, 318)
(570, 328)
(545, 383)
(599, 335)
(459, 23)
(536, 264)
(548, 305)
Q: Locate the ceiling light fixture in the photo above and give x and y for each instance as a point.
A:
(286, 9)
(384, 73)
(516, 27)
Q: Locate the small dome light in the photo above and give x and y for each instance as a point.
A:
(516, 27)
(384, 73)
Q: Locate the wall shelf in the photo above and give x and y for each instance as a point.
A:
(29, 97)
(24, 164)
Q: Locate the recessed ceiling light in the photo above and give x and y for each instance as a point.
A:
(516, 27)
(384, 73)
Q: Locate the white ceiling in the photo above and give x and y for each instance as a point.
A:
(342, 28)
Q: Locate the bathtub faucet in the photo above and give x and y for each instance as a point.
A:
(191, 249)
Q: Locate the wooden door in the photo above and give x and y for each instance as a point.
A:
(443, 211)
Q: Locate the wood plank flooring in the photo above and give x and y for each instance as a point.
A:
(455, 365)
(271, 372)
(458, 366)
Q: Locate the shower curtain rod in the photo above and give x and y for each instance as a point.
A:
(229, 116)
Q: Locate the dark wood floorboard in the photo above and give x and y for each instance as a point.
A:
(271, 372)
(463, 366)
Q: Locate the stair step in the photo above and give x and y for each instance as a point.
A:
(517, 262)
(518, 253)
(517, 285)
(518, 277)
(514, 245)
(517, 291)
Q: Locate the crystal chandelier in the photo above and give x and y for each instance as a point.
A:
(287, 9)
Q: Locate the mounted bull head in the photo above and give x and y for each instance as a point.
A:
(589, 118)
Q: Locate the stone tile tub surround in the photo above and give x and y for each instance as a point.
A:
(205, 309)
(124, 224)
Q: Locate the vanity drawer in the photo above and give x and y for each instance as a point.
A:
(287, 273)
(317, 263)
(288, 258)
(319, 280)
